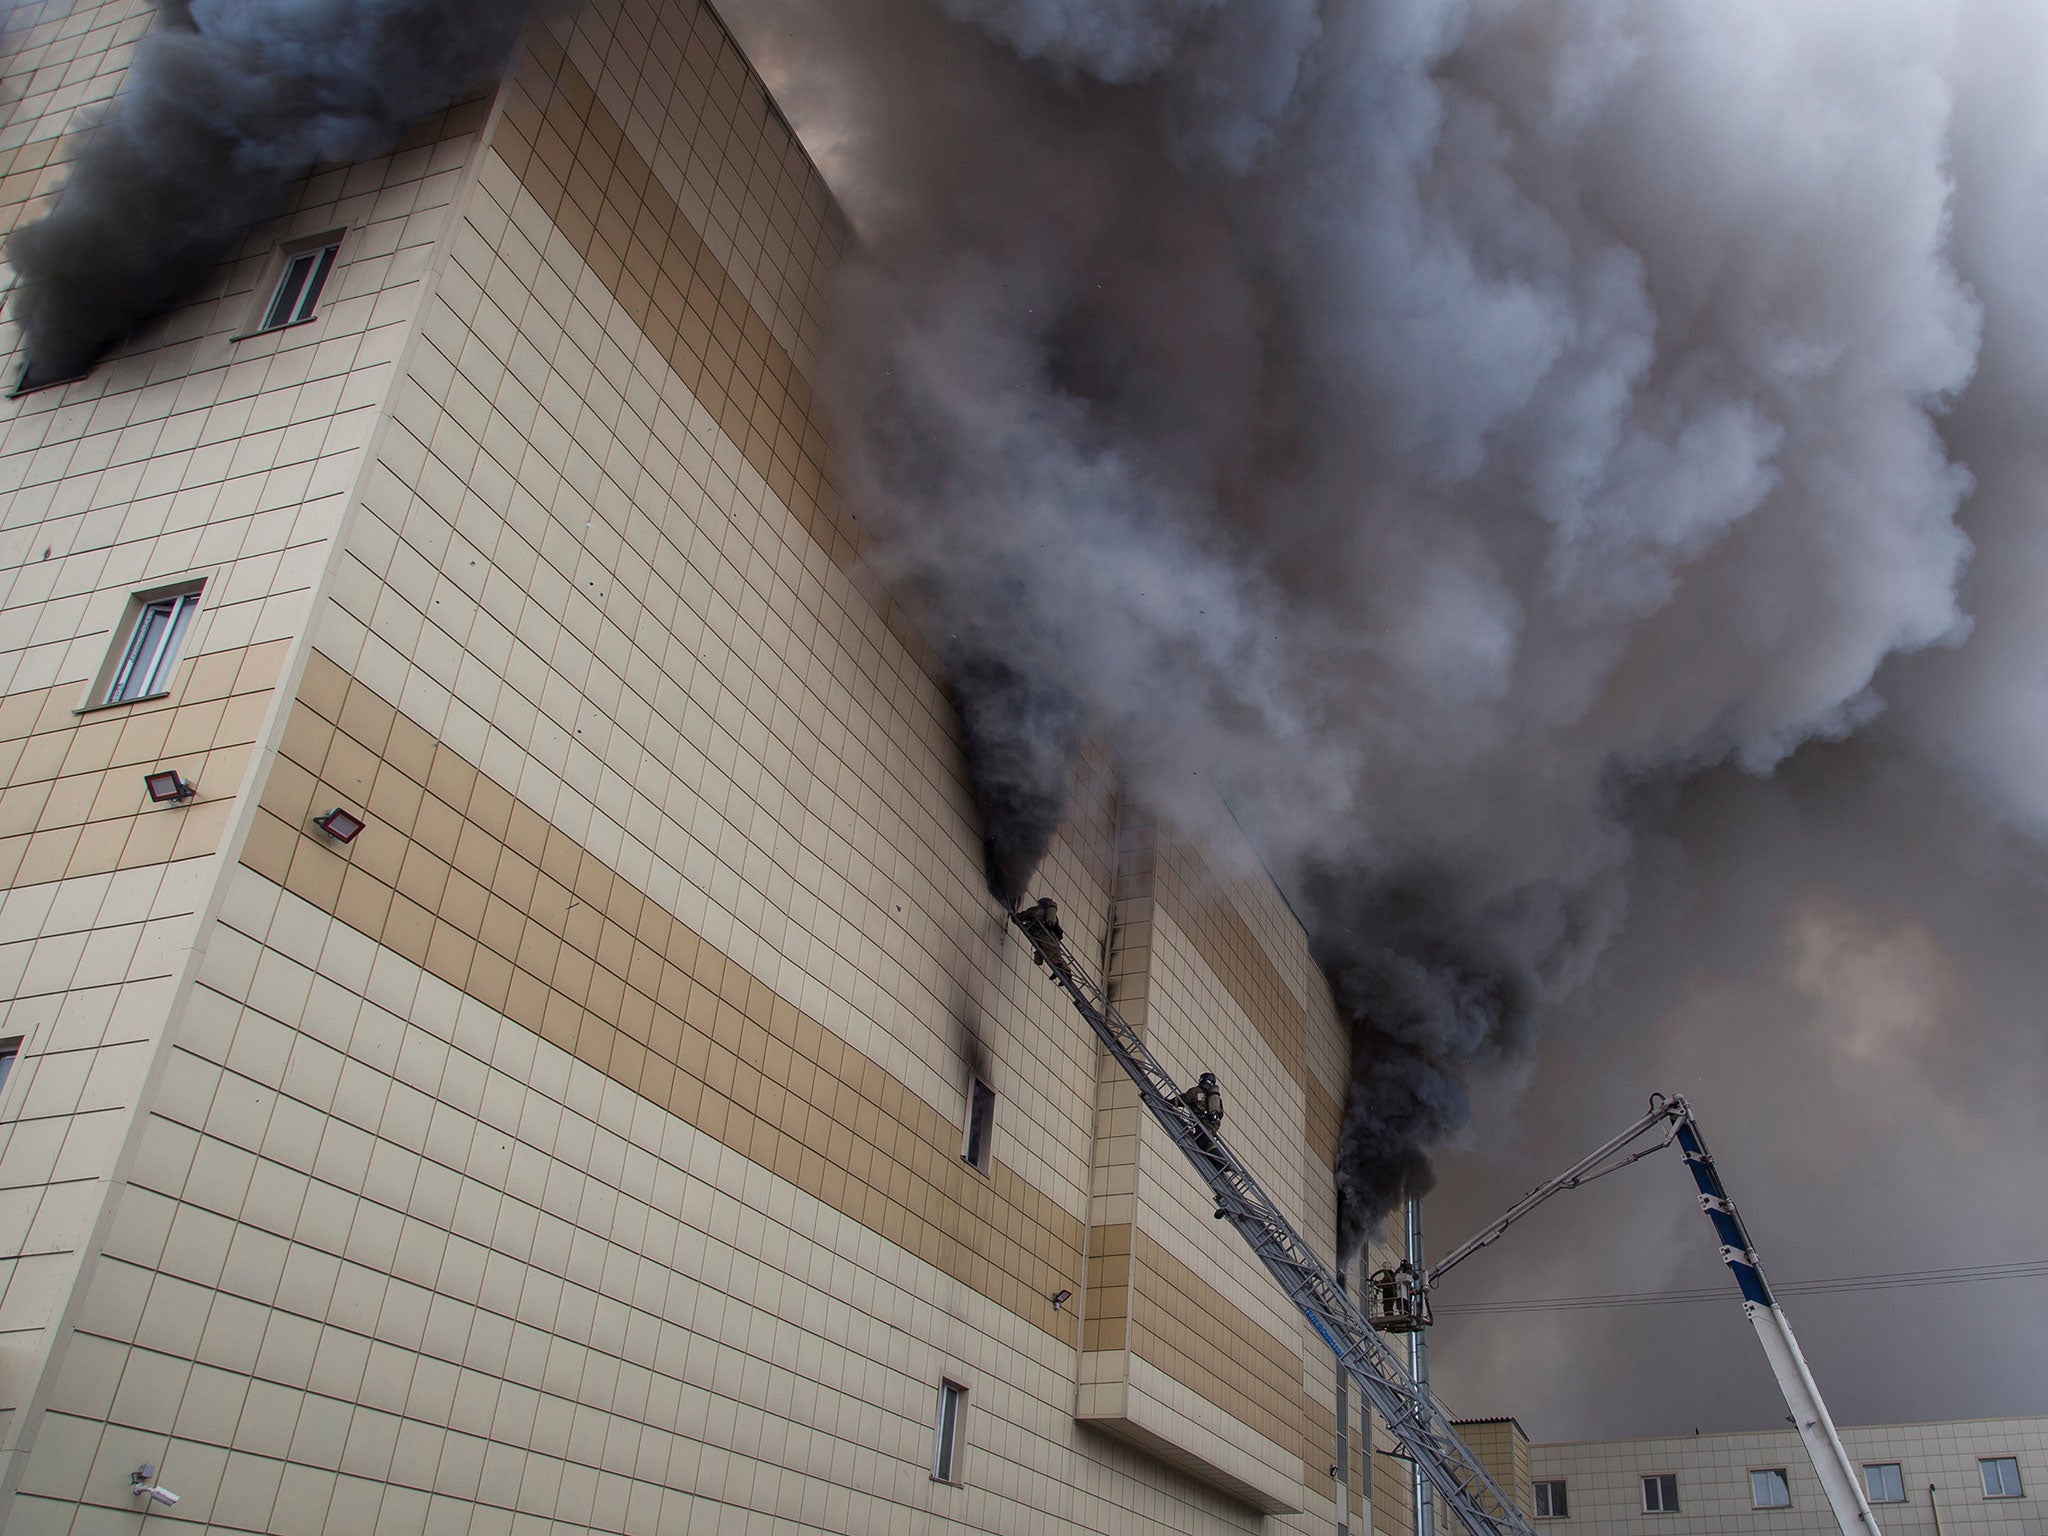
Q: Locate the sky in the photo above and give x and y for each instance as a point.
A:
(1569, 469)
(1857, 1023)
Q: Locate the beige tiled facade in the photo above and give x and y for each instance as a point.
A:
(1939, 1473)
(581, 1147)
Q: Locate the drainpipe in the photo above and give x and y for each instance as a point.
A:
(1343, 1472)
(1418, 1370)
(1934, 1509)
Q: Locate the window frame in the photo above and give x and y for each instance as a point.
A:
(976, 1148)
(1559, 1500)
(303, 307)
(1879, 1466)
(10, 1060)
(1659, 1480)
(949, 1434)
(1784, 1477)
(123, 655)
(1984, 1465)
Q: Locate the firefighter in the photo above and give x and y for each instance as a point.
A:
(1041, 920)
(1205, 1101)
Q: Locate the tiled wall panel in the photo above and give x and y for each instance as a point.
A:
(579, 1149)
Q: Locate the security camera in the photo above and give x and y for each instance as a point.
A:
(142, 1484)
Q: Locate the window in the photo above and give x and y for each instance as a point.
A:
(1884, 1483)
(1768, 1489)
(2001, 1476)
(155, 629)
(981, 1121)
(952, 1431)
(10, 1052)
(298, 289)
(1550, 1501)
(1660, 1494)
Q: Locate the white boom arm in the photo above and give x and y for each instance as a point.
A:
(1839, 1478)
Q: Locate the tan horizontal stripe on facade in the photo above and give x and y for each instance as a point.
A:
(1184, 1326)
(458, 876)
(573, 158)
(1193, 897)
(74, 801)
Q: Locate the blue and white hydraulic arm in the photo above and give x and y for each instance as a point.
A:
(1401, 1300)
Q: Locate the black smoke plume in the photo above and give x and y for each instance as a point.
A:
(213, 124)
(1432, 998)
(1022, 734)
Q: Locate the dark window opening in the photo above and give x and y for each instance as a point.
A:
(951, 1432)
(1550, 1500)
(298, 290)
(981, 1124)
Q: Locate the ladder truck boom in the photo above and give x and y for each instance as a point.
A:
(1411, 1415)
(1403, 1300)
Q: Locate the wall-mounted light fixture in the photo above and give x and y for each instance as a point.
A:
(1061, 1297)
(142, 1483)
(167, 786)
(340, 824)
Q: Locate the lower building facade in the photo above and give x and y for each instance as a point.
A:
(1986, 1477)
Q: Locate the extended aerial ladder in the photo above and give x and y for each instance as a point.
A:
(1400, 1294)
(1410, 1414)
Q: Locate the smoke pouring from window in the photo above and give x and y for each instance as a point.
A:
(217, 116)
(1439, 428)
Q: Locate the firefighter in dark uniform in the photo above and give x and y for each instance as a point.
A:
(1205, 1101)
(1041, 923)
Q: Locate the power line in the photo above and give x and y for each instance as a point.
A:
(1970, 1274)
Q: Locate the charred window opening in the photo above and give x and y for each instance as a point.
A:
(981, 1124)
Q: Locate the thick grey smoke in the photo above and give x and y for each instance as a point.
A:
(218, 115)
(1424, 423)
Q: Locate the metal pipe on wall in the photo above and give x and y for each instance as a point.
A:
(1418, 1368)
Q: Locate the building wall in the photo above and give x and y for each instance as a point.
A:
(191, 455)
(1603, 1480)
(582, 1144)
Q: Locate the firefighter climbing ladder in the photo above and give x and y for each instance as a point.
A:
(1411, 1415)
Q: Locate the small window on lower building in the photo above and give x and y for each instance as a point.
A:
(1550, 1500)
(148, 643)
(1884, 1482)
(1769, 1488)
(1660, 1494)
(297, 295)
(952, 1432)
(2001, 1476)
(981, 1125)
(10, 1053)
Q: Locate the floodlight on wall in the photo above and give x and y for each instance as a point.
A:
(142, 1483)
(167, 786)
(1060, 1298)
(341, 824)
